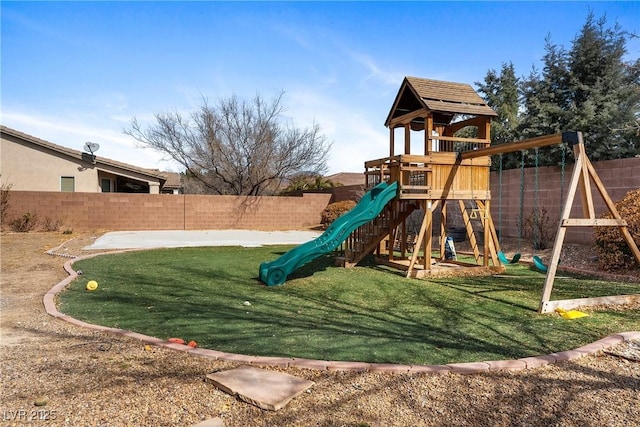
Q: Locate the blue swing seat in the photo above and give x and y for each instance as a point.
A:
(503, 258)
(540, 265)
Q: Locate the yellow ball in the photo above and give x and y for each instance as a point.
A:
(92, 285)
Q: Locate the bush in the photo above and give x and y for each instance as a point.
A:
(51, 225)
(334, 210)
(5, 195)
(538, 228)
(613, 251)
(26, 222)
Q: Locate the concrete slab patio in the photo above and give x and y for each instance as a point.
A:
(193, 238)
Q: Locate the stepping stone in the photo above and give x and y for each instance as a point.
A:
(265, 389)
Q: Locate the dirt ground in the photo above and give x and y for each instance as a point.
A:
(85, 378)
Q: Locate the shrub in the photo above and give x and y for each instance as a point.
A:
(5, 195)
(26, 222)
(538, 228)
(51, 225)
(334, 210)
(613, 251)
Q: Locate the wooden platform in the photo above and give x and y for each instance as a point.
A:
(441, 268)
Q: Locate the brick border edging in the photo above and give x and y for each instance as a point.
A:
(293, 362)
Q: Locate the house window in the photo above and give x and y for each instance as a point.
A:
(105, 185)
(68, 184)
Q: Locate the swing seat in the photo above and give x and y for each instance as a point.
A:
(540, 265)
(503, 258)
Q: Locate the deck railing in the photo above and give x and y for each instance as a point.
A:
(410, 171)
(413, 172)
(452, 144)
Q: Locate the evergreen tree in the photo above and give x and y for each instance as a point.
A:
(546, 100)
(501, 93)
(605, 95)
(589, 88)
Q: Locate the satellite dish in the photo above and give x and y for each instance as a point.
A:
(91, 147)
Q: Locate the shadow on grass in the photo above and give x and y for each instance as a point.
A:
(322, 313)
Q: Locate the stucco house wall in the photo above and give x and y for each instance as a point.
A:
(28, 163)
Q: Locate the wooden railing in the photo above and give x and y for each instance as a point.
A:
(452, 144)
(367, 237)
(413, 173)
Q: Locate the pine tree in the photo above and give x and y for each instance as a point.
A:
(501, 93)
(605, 92)
(546, 100)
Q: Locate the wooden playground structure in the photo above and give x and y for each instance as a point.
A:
(452, 172)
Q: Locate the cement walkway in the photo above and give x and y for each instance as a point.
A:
(191, 238)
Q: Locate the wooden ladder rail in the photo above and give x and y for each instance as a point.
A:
(366, 236)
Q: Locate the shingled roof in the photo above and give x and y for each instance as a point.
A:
(79, 155)
(438, 96)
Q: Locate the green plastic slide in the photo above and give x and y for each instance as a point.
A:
(275, 272)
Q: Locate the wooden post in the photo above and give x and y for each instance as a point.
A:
(407, 138)
(392, 141)
(428, 238)
(428, 130)
(443, 229)
(486, 232)
(490, 234)
(469, 228)
(582, 172)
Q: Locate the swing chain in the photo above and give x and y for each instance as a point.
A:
(521, 212)
(536, 208)
(500, 193)
(562, 171)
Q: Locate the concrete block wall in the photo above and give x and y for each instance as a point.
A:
(618, 176)
(122, 211)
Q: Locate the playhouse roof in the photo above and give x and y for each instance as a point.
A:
(437, 96)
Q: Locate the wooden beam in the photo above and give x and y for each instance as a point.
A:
(443, 228)
(426, 225)
(491, 237)
(406, 119)
(510, 147)
(583, 172)
(392, 142)
(428, 238)
(585, 184)
(568, 304)
(428, 129)
(407, 139)
(458, 139)
(596, 222)
(475, 121)
(560, 234)
(469, 227)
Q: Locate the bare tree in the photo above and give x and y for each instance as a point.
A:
(236, 147)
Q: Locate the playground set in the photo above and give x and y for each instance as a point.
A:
(452, 172)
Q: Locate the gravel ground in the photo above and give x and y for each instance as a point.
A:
(85, 378)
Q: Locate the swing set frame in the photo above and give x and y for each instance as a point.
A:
(583, 174)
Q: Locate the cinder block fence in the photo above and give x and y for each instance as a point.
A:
(122, 211)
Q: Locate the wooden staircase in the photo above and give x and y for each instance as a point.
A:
(366, 238)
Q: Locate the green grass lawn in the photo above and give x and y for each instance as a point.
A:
(369, 313)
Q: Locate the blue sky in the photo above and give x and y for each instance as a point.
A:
(79, 71)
